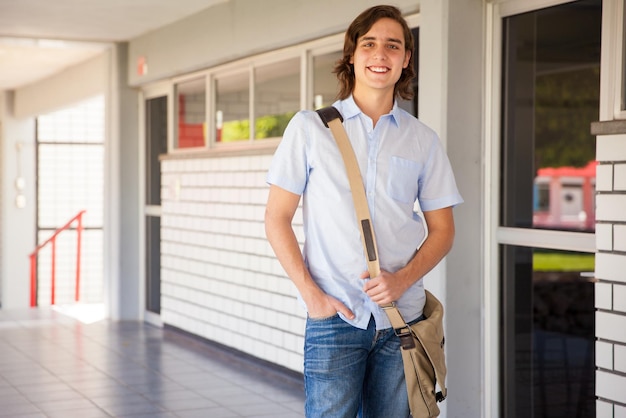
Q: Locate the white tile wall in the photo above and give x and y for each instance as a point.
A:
(604, 177)
(604, 237)
(604, 409)
(611, 147)
(611, 273)
(604, 295)
(620, 358)
(619, 298)
(604, 355)
(610, 386)
(220, 278)
(610, 207)
(611, 326)
(619, 240)
(611, 266)
(620, 177)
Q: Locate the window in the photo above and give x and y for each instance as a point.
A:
(254, 99)
(276, 93)
(551, 91)
(325, 84)
(276, 97)
(551, 96)
(548, 333)
(232, 104)
(191, 114)
(70, 178)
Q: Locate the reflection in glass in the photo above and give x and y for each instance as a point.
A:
(232, 104)
(191, 114)
(552, 92)
(549, 333)
(276, 96)
(325, 83)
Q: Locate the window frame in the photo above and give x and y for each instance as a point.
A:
(613, 61)
(305, 52)
(619, 54)
(495, 234)
(175, 93)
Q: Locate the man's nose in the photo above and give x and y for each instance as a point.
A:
(380, 52)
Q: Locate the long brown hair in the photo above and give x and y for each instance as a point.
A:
(359, 27)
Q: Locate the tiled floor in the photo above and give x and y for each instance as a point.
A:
(52, 365)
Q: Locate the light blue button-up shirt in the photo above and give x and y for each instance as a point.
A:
(405, 171)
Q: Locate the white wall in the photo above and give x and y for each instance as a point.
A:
(451, 98)
(18, 111)
(122, 198)
(17, 225)
(220, 279)
(79, 82)
(610, 289)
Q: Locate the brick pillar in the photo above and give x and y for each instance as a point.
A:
(610, 288)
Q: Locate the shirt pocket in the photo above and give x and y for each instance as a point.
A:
(403, 180)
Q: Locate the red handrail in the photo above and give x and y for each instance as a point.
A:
(52, 241)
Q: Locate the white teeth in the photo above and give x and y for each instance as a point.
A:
(379, 69)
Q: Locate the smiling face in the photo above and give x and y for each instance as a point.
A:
(379, 57)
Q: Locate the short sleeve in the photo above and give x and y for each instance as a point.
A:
(289, 167)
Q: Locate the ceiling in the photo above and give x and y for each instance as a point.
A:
(39, 38)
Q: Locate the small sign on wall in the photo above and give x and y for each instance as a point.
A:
(142, 65)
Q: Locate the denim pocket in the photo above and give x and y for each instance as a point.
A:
(403, 179)
(322, 319)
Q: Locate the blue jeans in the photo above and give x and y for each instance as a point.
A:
(350, 372)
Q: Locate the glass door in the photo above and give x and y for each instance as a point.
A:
(550, 96)
(155, 145)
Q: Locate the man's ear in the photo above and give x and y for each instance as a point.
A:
(407, 58)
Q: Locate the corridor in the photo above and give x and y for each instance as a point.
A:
(52, 365)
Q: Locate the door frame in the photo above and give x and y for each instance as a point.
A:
(162, 89)
(495, 234)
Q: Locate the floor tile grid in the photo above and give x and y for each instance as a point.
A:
(130, 369)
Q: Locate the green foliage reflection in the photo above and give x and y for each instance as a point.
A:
(560, 261)
(566, 104)
(270, 126)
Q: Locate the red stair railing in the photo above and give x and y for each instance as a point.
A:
(52, 241)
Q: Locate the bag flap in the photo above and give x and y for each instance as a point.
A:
(430, 334)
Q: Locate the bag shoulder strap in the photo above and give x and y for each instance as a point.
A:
(333, 120)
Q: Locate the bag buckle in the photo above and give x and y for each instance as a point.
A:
(406, 338)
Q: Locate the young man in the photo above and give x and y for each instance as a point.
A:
(352, 359)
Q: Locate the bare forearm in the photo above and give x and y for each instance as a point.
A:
(435, 247)
(279, 213)
(287, 249)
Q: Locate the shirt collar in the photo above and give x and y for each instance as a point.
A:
(349, 109)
